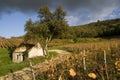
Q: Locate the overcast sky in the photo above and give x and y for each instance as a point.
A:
(14, 13)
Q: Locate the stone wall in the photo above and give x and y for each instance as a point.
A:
(35, 51)
(25, 74)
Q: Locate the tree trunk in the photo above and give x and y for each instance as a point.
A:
(44, 52)
(46, 49)
(46, 45)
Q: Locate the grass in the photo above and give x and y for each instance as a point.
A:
(90, 40)
(60, 43)
(42, 59)
(7, 66)
(3, 54)
(55, 47)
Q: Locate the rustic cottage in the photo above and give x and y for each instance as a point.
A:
(27, 51)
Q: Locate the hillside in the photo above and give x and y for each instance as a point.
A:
(12, 42)
(98, 29)
(106, 28)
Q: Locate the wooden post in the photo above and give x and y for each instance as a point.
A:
(109, 48)
(105, 63)
(116, 45)
(84, 63)
(33, 74)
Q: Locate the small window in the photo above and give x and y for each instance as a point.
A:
(17, 56)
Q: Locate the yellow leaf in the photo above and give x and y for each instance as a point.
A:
(72, 72)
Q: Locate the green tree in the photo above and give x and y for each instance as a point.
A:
(50, 25)
(45, 14)
(60, 24)
(59, 14)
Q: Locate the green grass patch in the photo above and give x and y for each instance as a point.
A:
(90, 40)
(4, 57)
(59, 42)
(43, 58)
(55, 47)
(7, 66)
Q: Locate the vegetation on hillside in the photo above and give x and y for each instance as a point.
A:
(98, 29)
(10, 43)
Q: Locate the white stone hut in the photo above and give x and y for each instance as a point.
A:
(27, 51)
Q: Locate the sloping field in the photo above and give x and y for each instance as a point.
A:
(13, 42)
